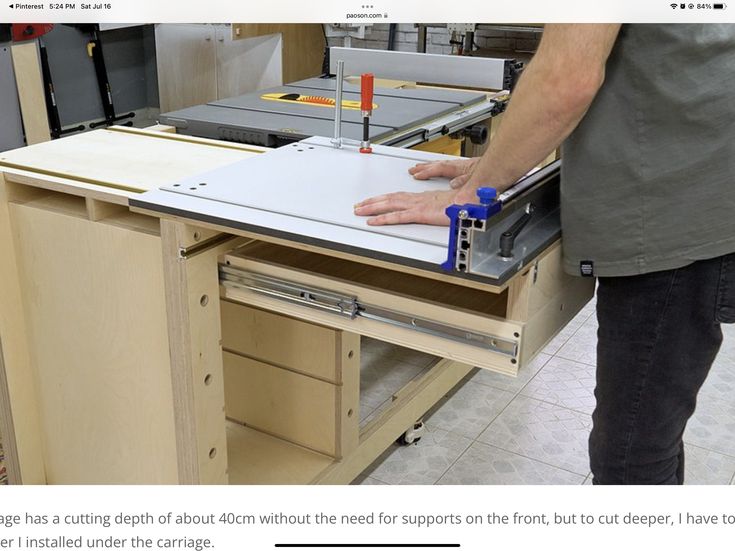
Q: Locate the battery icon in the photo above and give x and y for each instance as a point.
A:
(718, 6)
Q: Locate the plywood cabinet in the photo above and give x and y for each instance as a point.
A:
(127, 356)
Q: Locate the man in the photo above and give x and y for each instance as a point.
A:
(647, 117)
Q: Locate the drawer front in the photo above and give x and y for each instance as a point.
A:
(282, 403)
(290, 343)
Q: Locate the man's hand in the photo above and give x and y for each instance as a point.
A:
(551, 97)
(568, 67)
(458, 171)
(419, 208)
(407, 208)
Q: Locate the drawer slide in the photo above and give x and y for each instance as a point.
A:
(351, 307)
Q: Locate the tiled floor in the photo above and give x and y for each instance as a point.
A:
(534, 429)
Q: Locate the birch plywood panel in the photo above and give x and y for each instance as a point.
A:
(19, 420)
(303, 46)
(136, 160)
(30, 92)
(258, 458)
(196, 355)
(279, 340)
(288, 405)
(96, 318)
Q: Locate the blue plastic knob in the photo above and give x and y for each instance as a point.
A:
(487, 195)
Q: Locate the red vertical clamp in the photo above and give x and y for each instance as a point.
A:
(366, 106)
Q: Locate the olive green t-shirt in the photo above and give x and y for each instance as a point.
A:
(648, 177)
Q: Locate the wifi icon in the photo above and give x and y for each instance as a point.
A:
(673, 6)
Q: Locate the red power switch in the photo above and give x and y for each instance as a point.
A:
(366, 94)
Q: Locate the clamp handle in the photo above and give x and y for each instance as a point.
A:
(367, 81)
(508, 237)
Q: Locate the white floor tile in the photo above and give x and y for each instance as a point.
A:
(582, 346)
(406, 355)
(546, 432)
(421, 463)
(565, 334)
(469, 410)
(727, 350)
(385, 369)
(707, 467)
(365, 412)
(589, 308)
(375, 412)
(720, 382)
(507, 383)
(713, 425)
(566, 383)
(483, 464)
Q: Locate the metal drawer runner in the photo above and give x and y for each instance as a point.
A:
(351, 307)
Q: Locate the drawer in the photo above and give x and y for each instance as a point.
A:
(288, 343)
(282, 403)
(496, 329)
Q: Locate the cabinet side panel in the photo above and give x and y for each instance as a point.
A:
(97, 327)
(19, 420)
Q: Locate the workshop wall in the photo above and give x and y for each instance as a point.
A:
(437, 39)
(11, 128)
(131, 65)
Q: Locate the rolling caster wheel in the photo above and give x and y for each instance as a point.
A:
(412, 435)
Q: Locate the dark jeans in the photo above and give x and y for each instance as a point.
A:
(659, 334)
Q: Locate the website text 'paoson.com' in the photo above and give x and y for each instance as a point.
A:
(366, 16)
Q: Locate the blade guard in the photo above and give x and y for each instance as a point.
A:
(463, 217)
(30, 31)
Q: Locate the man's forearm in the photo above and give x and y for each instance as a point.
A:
(551, 98)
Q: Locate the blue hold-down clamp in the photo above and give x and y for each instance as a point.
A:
(465, 218)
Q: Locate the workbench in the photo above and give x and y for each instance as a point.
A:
(134, 347)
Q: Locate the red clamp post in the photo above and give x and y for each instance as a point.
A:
(366, 106)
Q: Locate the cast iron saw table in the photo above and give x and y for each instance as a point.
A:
(274, 117)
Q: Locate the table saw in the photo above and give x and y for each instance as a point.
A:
(185, 310)
(402, 117)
